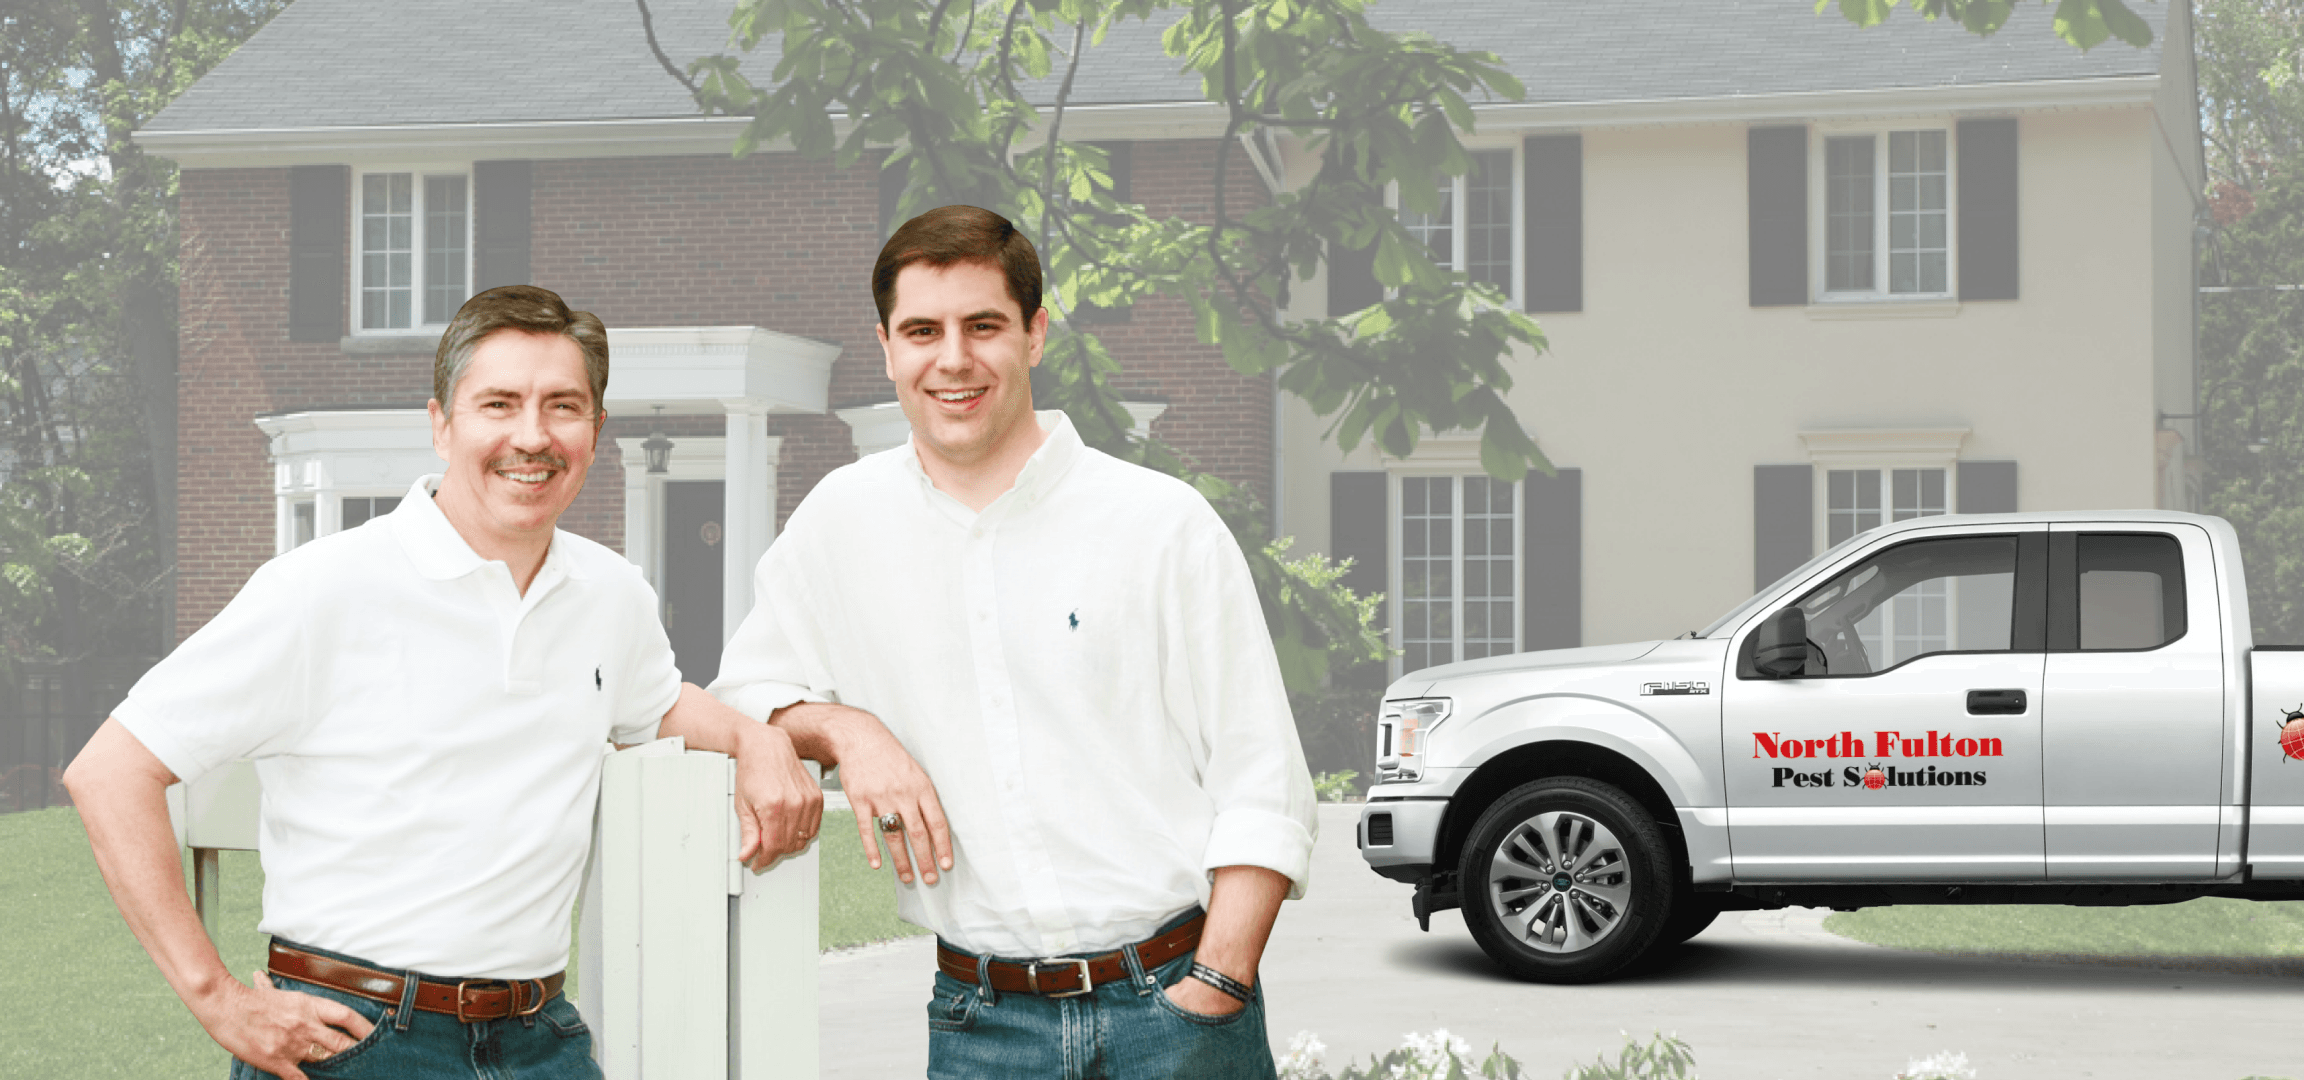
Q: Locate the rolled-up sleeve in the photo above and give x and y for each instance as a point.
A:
(1255, 776)
(775, 659)
(238, 687)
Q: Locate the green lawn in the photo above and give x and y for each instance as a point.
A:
(2208, 927)
(79, 999)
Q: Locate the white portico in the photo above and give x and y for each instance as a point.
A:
(337, 467)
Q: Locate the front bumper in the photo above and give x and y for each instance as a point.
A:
(1401, 833)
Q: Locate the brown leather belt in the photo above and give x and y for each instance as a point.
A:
(1068, 976)
(468, 1000)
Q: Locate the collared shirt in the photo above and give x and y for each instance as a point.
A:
(428, 738)
(1082, 669)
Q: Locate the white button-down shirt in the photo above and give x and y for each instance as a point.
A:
(428, 738)
(1082, 669)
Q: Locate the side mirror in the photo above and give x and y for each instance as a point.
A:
(1780, 646)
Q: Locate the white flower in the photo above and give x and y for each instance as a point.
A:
(1948, 1065)
(1302, 1061)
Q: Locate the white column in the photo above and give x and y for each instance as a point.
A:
(640, 517)
(748, 507)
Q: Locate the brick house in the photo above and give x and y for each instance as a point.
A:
(1797, 277)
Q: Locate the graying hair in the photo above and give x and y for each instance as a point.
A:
(529, 309)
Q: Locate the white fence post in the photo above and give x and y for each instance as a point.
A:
(692, 967)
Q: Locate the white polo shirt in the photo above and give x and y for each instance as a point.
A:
(1082, 669)
(428, 738)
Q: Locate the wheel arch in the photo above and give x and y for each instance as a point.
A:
(1540, 760)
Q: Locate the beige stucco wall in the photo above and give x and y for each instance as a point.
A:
(1669, 387)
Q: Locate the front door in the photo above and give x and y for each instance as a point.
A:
(693, 541)
(1909, 747)
(2134, 720)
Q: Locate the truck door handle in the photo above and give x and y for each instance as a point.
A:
(1995, 702)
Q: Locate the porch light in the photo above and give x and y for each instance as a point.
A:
(658, 448)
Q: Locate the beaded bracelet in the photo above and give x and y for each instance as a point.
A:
(1225, 984)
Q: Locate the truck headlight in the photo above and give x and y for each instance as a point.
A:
(1402, 729)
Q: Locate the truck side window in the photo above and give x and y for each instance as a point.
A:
(2131, 590)
(1950, 594)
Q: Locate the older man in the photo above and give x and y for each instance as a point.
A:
(1073, 649)
(426, 699)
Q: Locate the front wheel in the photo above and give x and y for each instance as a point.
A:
(1566, 880)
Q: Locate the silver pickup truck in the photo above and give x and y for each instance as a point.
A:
(2054, 708)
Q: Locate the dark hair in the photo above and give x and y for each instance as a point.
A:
(958, 234)
(528, 309)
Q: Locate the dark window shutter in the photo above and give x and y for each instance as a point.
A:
(1352, 280)
(1552, 545)
(1121, 159)
(1783, 520)
(1987, 487)
(1554, 187)
(1776, 194)
(319, 196)
(1987, 209)
(500, 200)
(1359, 527)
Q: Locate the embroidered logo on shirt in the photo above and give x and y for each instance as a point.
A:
(1074, 618)
(596, 683)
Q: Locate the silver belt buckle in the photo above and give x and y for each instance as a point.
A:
(1032, 976)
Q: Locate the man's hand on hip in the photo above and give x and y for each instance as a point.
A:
(279, 1030)
(881, 779)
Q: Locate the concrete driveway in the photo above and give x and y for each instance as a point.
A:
(1761, 996)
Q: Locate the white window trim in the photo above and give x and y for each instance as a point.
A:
(417, 172)
(1450, 456)
(1880, 448)
(1476, 144)
(1819, 216)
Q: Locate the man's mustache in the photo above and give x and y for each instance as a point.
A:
(549, 461)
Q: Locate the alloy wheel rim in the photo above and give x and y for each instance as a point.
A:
(1560, 882)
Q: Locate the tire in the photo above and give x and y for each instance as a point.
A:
(1604, 913)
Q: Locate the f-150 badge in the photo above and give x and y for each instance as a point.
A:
(1673, 689)
(2291, 726)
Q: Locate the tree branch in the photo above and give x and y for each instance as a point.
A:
(648, 27)
(1055, 128)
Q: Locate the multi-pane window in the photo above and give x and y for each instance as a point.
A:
(1917, 619)
(1471, 231)
(1459, 569)
(1908, 247)
(415, 249)
(357, 511)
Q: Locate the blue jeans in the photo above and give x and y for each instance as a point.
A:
(1123, 1030)
(409, 1044)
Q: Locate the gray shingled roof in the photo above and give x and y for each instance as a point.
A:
(356, 63)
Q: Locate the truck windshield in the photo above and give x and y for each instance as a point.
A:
(1737, 613)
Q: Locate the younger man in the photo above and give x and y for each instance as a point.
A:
(1072, 647)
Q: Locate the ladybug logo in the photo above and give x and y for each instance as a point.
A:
(2291, 728)
(1874, 779)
